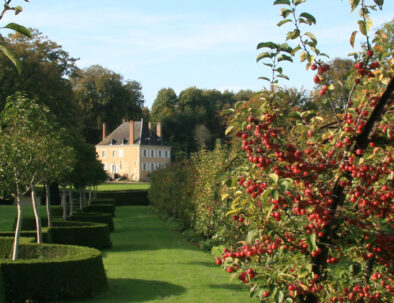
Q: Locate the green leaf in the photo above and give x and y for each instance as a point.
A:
(228, 111)
(19, 28)
(270, 45)
(293, 34)
(311, 36)
(274, 178)
(309, 17)
(264, 55)
(18, 9)
(275, 194)
(277, 2)
(284, 57)
(354, 4)
(352, 38)
(364, 26)
(279, 296)
(6, 51)
(303, 56)
(379, 3)
(311, 239)
(284, 47)
(297, 2)
(283, 22)
(229, 129)
(264, 78)
(285, 12)
(295, 50)
(252, 235)
(283, 76)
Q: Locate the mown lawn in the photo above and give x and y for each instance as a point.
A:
(123, 186)
(151, 262)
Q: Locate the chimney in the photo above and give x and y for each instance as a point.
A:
(150, 125)
(131, 132)
(104, 130)
(158, 129)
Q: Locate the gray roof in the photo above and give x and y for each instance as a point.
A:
(121, 135)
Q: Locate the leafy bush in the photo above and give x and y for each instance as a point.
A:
(174, 196)
(90, 234)
(53, 272)
(127, 197)
(192, 193)
(101, 208)
(94, 217)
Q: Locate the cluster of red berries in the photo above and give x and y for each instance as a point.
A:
(319, 77)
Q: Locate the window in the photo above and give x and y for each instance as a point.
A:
(120, 164)
(144, 152)
(159, 153)
(152, 166)
(120, 153)
(144, 166)
(152, 153)
(105, 166)
(114, 153)
(166, 154)
(114, 168)
(103, 154)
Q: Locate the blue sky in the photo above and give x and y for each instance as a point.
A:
(183, 43)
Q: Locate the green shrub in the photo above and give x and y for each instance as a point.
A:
(6, 244)
(53, 272)
(174, 196)
(101, 208)
(99, 201)
(94, 217)
(127, 197)
(90, 234)
(29, 234)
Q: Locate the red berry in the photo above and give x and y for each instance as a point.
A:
(230, 269)
(266, 294)
(370, 53)
(313, 67)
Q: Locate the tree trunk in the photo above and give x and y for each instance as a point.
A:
(95, 192)
(80, 199)
(64, 202)
(70, 194)
(48, 204)
(18, 228)
(36, 215)
(90, 195)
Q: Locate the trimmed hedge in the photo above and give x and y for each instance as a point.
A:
(53, 272)
(100, 201)
(126, 197)
(7, 242)
(89, 234)
(94, 217)
(101, 208)
(46, 236)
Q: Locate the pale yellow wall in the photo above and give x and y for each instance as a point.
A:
(131, 164)
(157, 160)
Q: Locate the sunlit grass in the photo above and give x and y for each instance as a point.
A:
(151, 262)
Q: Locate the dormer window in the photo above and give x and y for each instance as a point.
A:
(113, 141)
(124, 141)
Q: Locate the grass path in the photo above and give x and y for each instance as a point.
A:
(150, 262)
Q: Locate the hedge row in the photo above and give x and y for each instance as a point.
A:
(89, 234)
(52, 272)
(101, 208)
(127, 197)
(94, 217)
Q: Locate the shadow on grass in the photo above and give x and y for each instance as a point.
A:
(135, 290)
(235, 287)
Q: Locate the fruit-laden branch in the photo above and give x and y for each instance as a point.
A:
(339, 192)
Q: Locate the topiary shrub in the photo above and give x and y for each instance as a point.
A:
(52, 272)
(6, 243)
(127, 197)
(101, 208)
(29, 234)
(99, 201)
(94, 217)
(89, 234)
